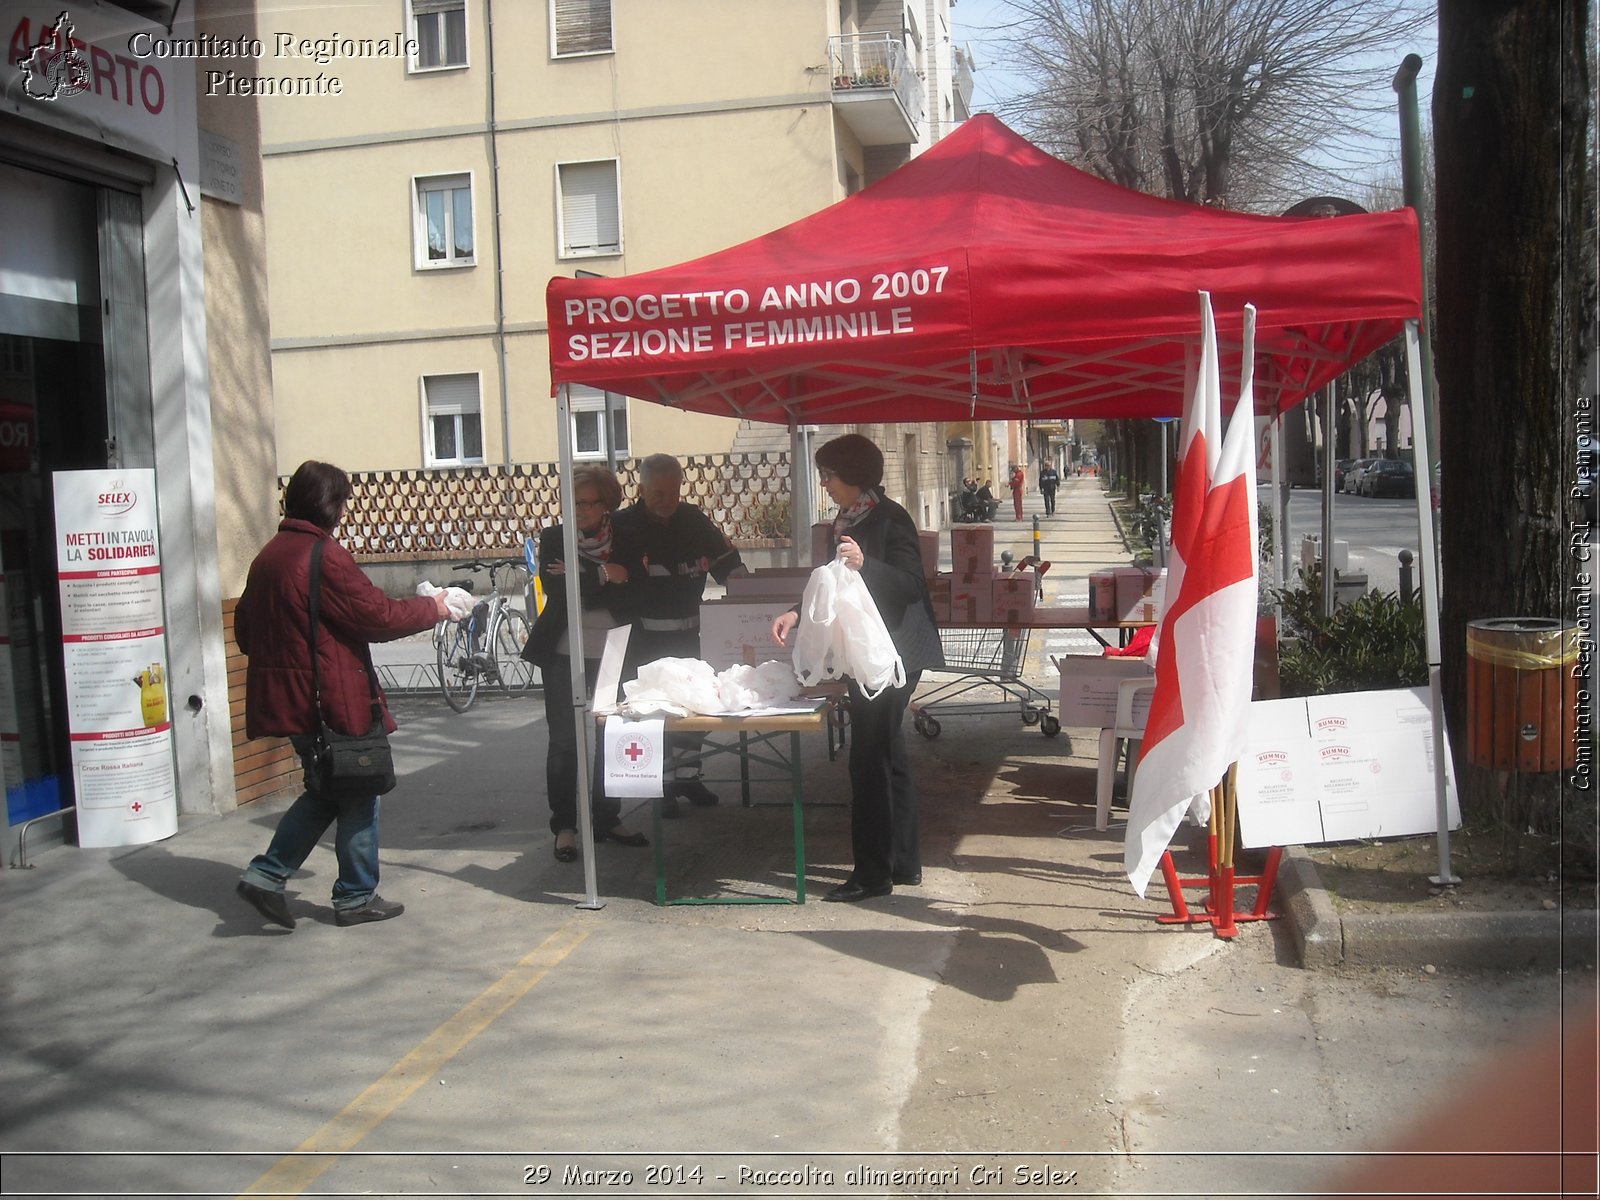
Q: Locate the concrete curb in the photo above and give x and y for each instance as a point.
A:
(1480, 941)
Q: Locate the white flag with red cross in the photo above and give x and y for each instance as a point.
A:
(1206, 652)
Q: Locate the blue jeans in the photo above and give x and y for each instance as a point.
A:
(355, 840)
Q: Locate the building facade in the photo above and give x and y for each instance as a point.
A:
(133, 338)
(414, 219)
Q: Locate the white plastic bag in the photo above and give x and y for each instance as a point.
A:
(458, 600)
(841, 632)
(686, 685)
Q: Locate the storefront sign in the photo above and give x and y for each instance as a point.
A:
(108, 567)
(80, 68)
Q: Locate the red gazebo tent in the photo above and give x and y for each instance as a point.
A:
(986, 279)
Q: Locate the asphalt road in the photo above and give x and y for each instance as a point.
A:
(1376, 529)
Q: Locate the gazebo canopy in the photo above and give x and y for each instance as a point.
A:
(988, 279)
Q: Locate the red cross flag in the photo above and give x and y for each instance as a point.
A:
(1206, 647)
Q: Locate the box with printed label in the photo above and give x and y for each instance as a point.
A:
(1103, 596)
(972, 549)
(1012, 598)
(1139, 591)
(739, 631)
(1089, 686)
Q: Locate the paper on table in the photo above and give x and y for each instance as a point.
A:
(609, 681)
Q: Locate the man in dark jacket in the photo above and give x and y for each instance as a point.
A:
(272, 626)
(681, 547)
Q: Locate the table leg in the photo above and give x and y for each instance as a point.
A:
(797, 800)
(658, 850)
(744, 769)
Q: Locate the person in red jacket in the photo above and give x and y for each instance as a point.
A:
(272, 627)
(1018, 481)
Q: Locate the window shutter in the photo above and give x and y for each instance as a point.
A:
(582, 26)
(451, 393)
(591, 220)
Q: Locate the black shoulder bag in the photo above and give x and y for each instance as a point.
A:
(346, 766)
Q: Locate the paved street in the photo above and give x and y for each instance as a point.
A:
(1022, 1008)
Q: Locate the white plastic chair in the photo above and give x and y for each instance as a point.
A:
(1126, 728)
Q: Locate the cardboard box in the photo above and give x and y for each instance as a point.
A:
(1139, 592)
(930, 552)
(1089, 689)
(821, 536)
(971, 599)
(972, 549)
(1012, 597)
(735, 631)
(771, 583)
(1103, 596)
(939, 594)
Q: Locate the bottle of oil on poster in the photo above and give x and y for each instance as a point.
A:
(153, 695)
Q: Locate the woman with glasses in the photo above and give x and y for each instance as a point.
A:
(605, 566)
(875, 536)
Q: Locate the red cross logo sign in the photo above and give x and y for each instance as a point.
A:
(635, 752)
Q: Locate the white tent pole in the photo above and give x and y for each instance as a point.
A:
(1428, 577)
(802, 496)
(1280, 500)
(579, 685)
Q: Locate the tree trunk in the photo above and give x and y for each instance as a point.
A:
(1510, 115)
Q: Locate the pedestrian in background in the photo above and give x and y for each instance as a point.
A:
(875, 536)
(1018, 480)
(272, 626)
(606, 565)
(679, 548)
(1049, 480)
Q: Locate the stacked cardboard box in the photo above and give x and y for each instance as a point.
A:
(739, 630)
(1139, 593)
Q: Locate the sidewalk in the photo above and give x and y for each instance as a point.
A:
(1021, 1006)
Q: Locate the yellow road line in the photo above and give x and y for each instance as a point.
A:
(295, 1172)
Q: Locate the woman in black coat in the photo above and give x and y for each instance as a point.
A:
(875, 536)
(604, 566)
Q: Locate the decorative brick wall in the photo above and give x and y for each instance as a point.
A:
(461, 512)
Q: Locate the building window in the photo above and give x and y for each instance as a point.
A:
(588, 407)
(443, 221)
(589, 208)
(454, 417)
(440, 30)
(580, 27)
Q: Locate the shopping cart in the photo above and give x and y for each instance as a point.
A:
(988, 662)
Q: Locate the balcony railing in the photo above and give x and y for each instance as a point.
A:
(876, 62)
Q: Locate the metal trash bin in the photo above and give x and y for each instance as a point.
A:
(1522, 694)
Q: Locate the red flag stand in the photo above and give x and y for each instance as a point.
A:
(1219, 880)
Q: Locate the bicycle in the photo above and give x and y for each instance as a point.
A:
(487, 644)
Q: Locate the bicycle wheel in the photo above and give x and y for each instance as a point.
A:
(510, 636)
(458, 672)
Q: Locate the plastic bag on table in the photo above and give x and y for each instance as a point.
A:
(770, 684)
(681, 683)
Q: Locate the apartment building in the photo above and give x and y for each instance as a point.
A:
(415, 217)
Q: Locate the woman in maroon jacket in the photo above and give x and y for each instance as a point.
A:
(272, 627)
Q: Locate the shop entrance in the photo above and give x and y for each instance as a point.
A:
(57, 350)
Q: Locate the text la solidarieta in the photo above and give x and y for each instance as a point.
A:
(320, 50)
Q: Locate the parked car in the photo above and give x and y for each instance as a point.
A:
(1388, 477)
(1353, 473)
(1339, 469)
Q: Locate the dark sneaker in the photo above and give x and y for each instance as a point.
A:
(697, 793)
(375, 909)
(269, 904)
